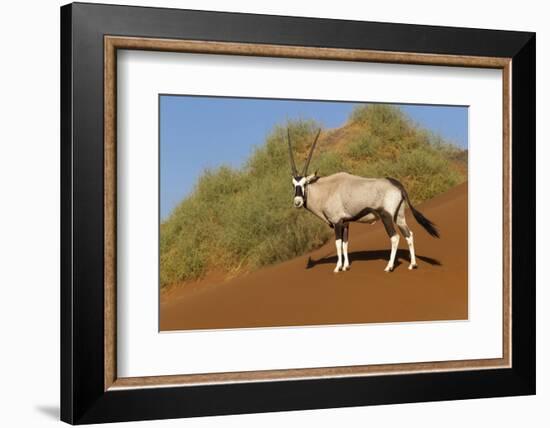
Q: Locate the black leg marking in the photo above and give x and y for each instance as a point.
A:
(397, 210)
(404, 231)
(361, 214)
(388, 222)
(338, 230)
(345, 238)
(345, 234)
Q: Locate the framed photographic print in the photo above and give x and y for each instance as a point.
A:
(265, 213)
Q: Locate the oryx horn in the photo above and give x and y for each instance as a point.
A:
(292, 163)
(306, 166)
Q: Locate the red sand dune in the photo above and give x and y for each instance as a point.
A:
(305, 291)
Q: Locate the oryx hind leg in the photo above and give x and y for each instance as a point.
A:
(338, 235)
(407, 234)
(387, 220)
(345, 238)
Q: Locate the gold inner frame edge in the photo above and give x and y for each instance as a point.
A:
(113, 43)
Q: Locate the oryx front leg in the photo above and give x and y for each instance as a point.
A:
(345, 246)
(394, 238)
(338, 232)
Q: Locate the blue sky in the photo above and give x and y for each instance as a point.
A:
(205, 132)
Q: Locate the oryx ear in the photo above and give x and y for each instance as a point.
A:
(312, 178)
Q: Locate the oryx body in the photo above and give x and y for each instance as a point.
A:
(341, 198)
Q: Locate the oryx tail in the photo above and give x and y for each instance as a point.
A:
(419, 217)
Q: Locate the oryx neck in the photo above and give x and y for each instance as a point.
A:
(306, 191)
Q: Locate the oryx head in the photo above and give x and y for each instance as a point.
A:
(301, 180)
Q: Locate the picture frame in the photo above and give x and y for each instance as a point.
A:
(91, 391)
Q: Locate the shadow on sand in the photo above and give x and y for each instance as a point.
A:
(372, 255)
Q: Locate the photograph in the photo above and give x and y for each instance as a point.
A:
(288, 209)
(291, 212)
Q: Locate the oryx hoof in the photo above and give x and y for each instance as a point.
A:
(346, 268)
(388, 269)
(337, 269)
(413, 266)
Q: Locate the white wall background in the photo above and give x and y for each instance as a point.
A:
(29, 214)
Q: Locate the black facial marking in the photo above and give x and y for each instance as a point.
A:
(298, 190)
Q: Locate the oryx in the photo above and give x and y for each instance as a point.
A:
(341, 198)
